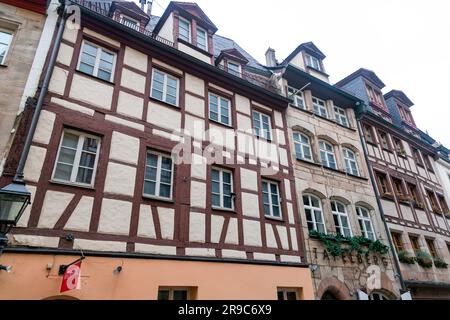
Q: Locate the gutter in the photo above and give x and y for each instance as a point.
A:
(18, 177)
(380, 207)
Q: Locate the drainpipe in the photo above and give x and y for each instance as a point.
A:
(18, 177)
(380, 207)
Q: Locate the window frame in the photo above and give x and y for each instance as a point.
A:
(368, 134)
(415, 243)
(388, 146)
(417, 157)
(172, 290)
(285, 292)
(260, 118)
(221, 193)
(384, 176)
(313, 215)
(318, 111)
(339, 114)
(327, 165)
(431, 247)
(347, 159)
(219, 109)
(302, 146)
(206, 38)
(340, 215)
(362, 222)
(156, 196)
(189, 29)
(96, 66)
(310, 62)
(270, 194)
(397, 239)
(297, 96)
(165, 85)
(8, 46)
(77, 158)
(233, 72)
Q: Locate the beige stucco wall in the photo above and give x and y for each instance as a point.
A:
(141, 278)
(27, 27)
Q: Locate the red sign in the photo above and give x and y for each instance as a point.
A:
(71, 278)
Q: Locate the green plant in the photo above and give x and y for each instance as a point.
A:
(439, 263)
(405, 258)
(424, 259)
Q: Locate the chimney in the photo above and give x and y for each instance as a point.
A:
(149, 7)
(271, 60)
(142, 2)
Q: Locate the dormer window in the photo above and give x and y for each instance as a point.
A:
(375, 96)
(202, 39)
(405, 114)
(129, 22)
(234, 68)
(184, 29)
(313, 62)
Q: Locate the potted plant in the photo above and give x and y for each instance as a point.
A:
(439, 263)
(419, 205)
(401, 152)
(404, 257)
(424, 259)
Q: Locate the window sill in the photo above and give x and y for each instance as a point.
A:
(274, 218)
(317, 70)
(165, 103)
(221, 124)
(94, 77)
(190, 45)
(70, 184)
(158, 199)
(388, 197)
(3, 66)
(309, 162)
(372, 143)
(387, 150)
(357, 177)
(223, 210)
(333, 121)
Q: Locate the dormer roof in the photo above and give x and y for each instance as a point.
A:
(130, 9)
(308, 47)
(399, 95)
(232, 54)
(366, 73)
(189, 10)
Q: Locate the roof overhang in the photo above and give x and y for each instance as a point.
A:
(39, 6)
(400, 96)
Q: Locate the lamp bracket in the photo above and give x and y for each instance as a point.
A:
(63, 267)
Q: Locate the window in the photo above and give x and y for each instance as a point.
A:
(368, 134)
(298, 99)
(432, 199)
(97, 61)
(398, 145)
(184, 30)
(413, 193)
(351, 166)
(341, 219)
(77, 158)
(384, 140)
(414, 243)
(313, 62)
(261, 125)
(222, 189)
(202, 39)
(271, 199)
(130, 22)
(173, 294)
(378, 296)
(219, 109)
(417, 157)
(319, 107)
(5, 42)
(341, 116)
(287, 294)
(327, 154)
(398, 187)
(365, 223)
(431, 248)
(165, 87)
(383, 184)
(375, 96)
(158, 178)
(314, 215)
(302, 147)
(443, 204)
(234, 68)
(428, 162)
(398, 242)
(404, 114)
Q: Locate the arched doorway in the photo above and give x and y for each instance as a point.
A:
(62, 297)
(328, 295)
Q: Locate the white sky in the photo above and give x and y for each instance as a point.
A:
(406, 42)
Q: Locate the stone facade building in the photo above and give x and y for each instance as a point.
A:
(408, 184)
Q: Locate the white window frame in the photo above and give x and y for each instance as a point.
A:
(260, 133)
(237, 73)
(339, 216)
(206, 38)
(362, 219)
(76, 161)
(298, 96)
(164, 93)
(97, 60)
(219, 109)
(8, 46)
(313, 215)
(341, 116)
(348, 160)
(319, 109)
(327, 152)
(310, 62)
(160, 155)
(302, 146)
(189, 29)
(221, 194)
(123, 18)
(271, 204)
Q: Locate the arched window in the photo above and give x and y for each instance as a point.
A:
(365, 223)
(351, 166)
(327, 156)
(314, 215)
(378, 296)
(341, 219)
(302, 147)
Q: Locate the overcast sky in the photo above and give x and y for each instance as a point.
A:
(406, 42)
